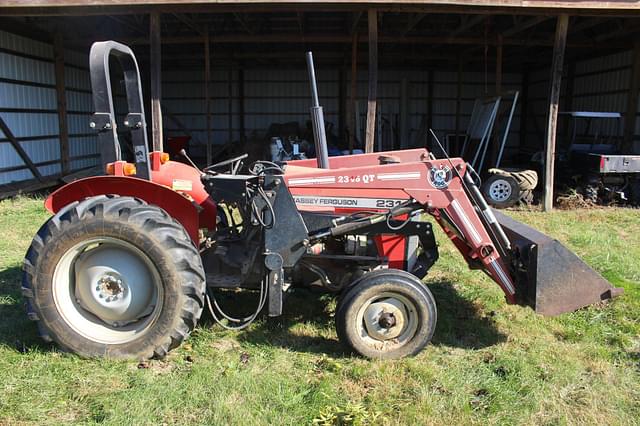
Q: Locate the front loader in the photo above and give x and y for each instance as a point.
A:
(129, 260)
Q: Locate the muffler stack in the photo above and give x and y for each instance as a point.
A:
(549, 277)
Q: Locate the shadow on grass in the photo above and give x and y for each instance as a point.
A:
(16, 331)
(461, 324)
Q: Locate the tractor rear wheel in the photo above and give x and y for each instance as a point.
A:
(114, 277)
(386, 315)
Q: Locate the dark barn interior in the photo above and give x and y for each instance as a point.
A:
(229, 78)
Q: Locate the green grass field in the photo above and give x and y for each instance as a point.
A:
(488, 363)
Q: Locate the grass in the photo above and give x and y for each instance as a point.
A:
(489, 362)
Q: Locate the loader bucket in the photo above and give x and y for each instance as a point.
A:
(549, 277)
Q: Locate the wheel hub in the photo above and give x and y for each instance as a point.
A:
(385, 319)
(101, 289)
(500, 190)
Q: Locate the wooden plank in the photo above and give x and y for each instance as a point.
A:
(241, 104)
(156, 80)
(353, 128)
(373, 79)
(24, 187)
(342, 96)
(429, 103)
(21, 152)
(404, 113)
(554, 97)
(207, 79)
(458, 106)
(230, 105)
(524, 107)
(499, 65)
(63, 129)
(631, 115)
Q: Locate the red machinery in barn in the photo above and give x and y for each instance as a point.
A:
(129, 260)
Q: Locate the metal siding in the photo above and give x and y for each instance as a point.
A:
(43, 123)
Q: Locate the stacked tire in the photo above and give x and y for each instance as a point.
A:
(508, 187)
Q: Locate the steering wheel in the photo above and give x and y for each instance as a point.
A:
(233, 162)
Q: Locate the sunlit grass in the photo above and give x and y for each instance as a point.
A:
(489, 362)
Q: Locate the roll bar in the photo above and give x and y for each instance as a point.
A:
(104, 118)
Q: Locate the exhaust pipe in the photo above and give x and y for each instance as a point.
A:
(549, 277)
(317, 119)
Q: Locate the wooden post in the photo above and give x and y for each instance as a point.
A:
(156, 80)
(524, 106)
(630, 117)
(63, 129)
(458, 106)
(353, 127)
(373, 80)
(241, 103)
(499, 65)
(554, 97)
(207, 78)
(429, 103)
(230, 104)
(342, 81)
(21, 152)
(404, 113)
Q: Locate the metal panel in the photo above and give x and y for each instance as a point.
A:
(33, 107)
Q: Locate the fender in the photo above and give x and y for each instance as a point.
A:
(179, 207)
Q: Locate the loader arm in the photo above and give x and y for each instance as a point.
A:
(528, 266)
(361, 182)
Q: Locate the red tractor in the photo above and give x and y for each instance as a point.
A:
(129, 260)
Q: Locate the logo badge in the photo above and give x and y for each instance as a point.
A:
(439, 177)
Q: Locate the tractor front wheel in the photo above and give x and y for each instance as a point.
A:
(386, 315)
(114, 277)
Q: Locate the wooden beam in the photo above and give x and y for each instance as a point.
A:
(63, 129)
(156, 80)
(244, 23)
(430, 84)
(414, 19)
(294, 38)
(189, 23)
(373, 79)
(525, 25)
(466, 25)
(241, 103)
(524, 108)
(21, 152)
(207, 78)
(499, 65)
(554, 97)
(631, 115)
(404, 113)
(230, 104)
(353, 128)
(458, 105)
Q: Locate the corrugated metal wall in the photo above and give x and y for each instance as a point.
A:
(28, 105)
(28, 101)
(279, 96)
(599, 84)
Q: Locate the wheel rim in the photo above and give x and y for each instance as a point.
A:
(107, 290)
(500, 190)
(387, 321)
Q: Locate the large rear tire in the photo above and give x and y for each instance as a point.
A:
(386, 315)
(114, 277)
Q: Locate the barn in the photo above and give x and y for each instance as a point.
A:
(221, 77)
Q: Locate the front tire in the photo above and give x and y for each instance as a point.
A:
(114, 277)
(387, 315)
